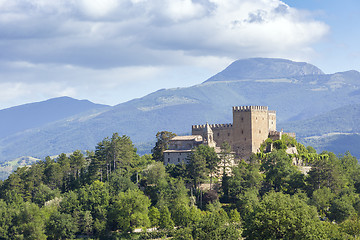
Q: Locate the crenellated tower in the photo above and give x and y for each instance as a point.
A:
(250, 128)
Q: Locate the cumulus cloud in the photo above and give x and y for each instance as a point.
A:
(104, 35)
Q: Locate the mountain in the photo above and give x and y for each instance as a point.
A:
(341, 120)
(297, 91)
(336, 131)
(265, 68)
(32, 115)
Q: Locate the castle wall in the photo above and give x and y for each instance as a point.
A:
(221, 132)
(176, 157)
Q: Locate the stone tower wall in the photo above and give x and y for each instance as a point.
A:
(242, 133)
(272, 120)
(259, 127)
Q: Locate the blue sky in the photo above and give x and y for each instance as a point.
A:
(111, 51)
(339, 50)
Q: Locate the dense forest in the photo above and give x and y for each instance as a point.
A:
(113, 193)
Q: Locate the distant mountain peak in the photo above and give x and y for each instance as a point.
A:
(265, 68)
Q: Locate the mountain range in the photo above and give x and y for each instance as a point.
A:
(321, 108)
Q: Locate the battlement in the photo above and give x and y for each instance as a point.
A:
(249, 108)
(213, 126)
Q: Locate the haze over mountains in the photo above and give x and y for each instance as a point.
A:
(307, 101)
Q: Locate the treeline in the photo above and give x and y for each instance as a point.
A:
(111, 192)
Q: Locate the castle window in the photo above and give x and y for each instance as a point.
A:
(242, 119)
(259, 131)
(228, 134)
(180, 154)
(168, 159)
(245, 139)
(178, 159)
(242, 131)
(218, 134)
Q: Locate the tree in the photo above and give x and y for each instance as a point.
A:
(215, 225)
(351, 226)
(155, 173)
(77, 164)
(119, 183)
(61, 226)
(225, 156)
(162, 144)
(280, 173)
(341, 208)
(165, 221)
(211, 158)
(129, 210)
(326, 172)
(28, 223)
(154, 216)
(196, 167)
(322, 199)
(279, 216)
(244, 177)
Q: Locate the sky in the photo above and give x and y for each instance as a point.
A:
(111, 51)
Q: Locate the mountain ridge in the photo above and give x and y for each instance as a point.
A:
(294, 98)
(258, 68)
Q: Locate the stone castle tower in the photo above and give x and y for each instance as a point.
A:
(251, 126)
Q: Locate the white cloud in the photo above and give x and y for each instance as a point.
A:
(107, 40)
(98, 8)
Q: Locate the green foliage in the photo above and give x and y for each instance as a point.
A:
(215, 225)
(326, 172)
(351, 226)
(61, 226)
(279, 216)
(322, 199)
(155, 173)
(107, 194)
(288, 141)
(28, 223)
(244, 177)
(162, 142)
(196, 167)
(341, 208)
(154, 216)
(281, 174)
(165, 221)
(266, 145)
(129, 210)
(234, 216)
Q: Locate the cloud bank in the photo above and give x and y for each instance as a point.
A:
(92, 44)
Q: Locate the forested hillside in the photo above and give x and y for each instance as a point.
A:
(113, 193)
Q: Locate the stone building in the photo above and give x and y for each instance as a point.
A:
(251, 126)
(180, 146)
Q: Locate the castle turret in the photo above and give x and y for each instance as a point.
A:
(208, 136)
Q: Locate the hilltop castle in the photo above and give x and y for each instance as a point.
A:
(251, 126)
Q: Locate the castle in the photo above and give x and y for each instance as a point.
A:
(251, 126)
